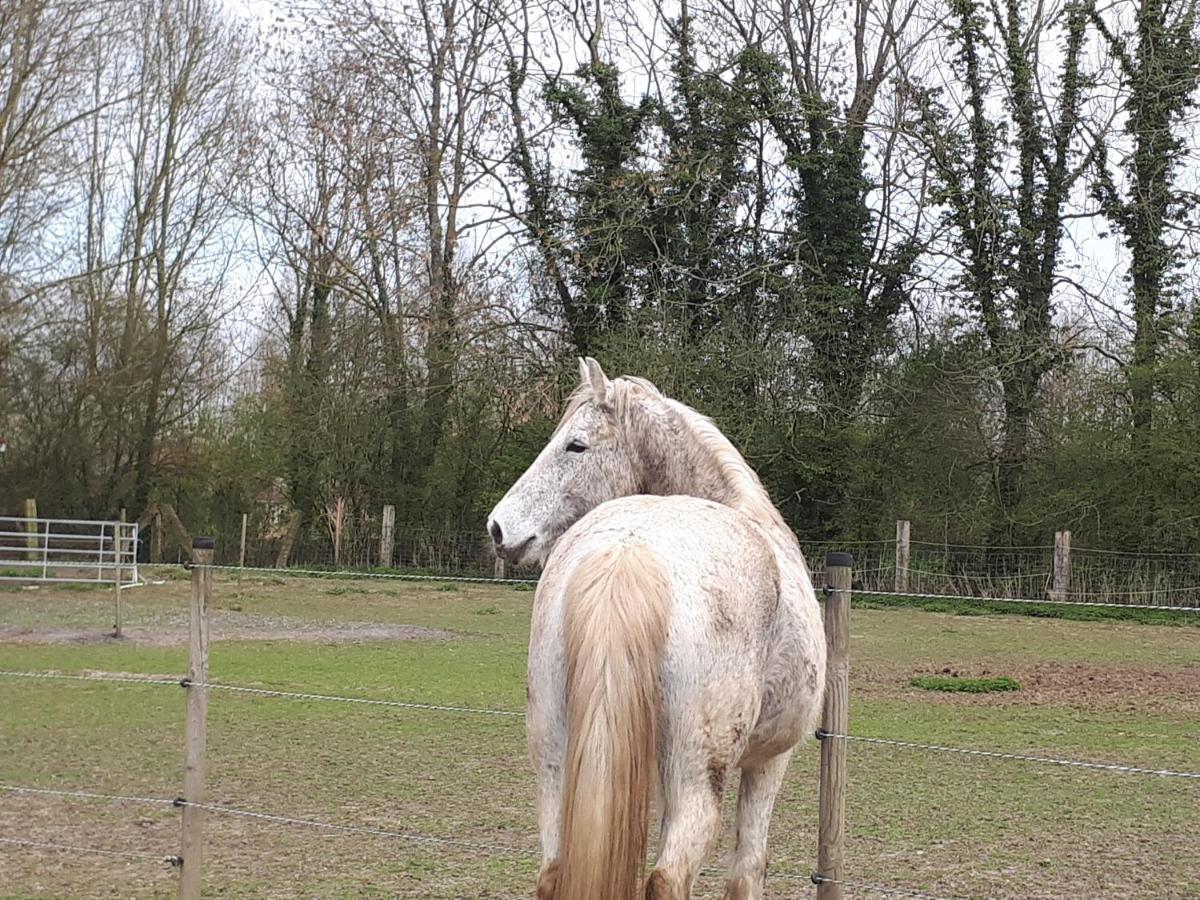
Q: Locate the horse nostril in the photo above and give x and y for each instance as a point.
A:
(497, 534)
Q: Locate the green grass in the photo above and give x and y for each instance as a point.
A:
(943, 824)
(950, 684)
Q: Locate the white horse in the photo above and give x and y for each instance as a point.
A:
(675, 636)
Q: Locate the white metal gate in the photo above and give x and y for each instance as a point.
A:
(71, 550)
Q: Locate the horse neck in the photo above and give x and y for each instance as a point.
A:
(705, 464)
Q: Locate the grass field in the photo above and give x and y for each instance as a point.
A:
(946, 825)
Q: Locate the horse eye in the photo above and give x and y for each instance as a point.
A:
(575, 447)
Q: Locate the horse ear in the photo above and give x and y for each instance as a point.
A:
(584, 376)
(597, 380)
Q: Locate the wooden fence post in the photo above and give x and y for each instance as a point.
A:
(156, 538)
(903, 527)
(242, 551)
(387, 536)
(1062, 565)
(31, 529)
(831, 830)
(196, 729)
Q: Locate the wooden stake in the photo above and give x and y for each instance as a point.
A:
(1062, 565)
(31, 528)
(156, 538)
(387, 536)
(903, 528)
(195, 734)
(242, 556)
(831, 830)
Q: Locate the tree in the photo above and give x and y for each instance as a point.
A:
(126, 312)
(1159, 67)
(1007, 213)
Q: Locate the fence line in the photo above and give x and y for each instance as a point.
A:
(951, 576)
(926, 596)
(296, 695)
(276, 819)
(68, 848)
(85, 795)
(121, 679)
(402, 576)
(509, 713)
(351, 573)
(1021, 757)
(971, 569)
(169, 681)
(414, 836)
(1150, 554)
(947, 546)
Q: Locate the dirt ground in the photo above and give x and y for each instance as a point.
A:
(227, 628)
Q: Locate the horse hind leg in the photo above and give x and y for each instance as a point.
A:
(691, 825)
(756, 799)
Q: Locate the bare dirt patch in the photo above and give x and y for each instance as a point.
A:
(1085, 685)
(227, 627)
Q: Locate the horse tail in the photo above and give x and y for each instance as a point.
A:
(618, 608)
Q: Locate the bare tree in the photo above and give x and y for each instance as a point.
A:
(134, 320)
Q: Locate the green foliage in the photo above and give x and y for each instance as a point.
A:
(954, 684)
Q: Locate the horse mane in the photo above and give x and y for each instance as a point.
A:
(745, 490)
(747, 494)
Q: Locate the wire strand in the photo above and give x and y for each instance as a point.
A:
(1020, 757)
(952, 576)
(298, 695)
(267, 692)
(122, 679)
(344, 573)
(85, 795)
(1150, 554)
(1111, 605)
(414, 836)
(68, 848)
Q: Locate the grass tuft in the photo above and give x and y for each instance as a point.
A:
(955, 684)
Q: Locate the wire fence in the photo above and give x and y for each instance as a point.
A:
(365, 543)
(170, 859)
(863, 582)
(408, 835)
(284, 819)
(945, 569)
(170, 681)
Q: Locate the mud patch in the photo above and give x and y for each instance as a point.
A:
(1087, 685)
